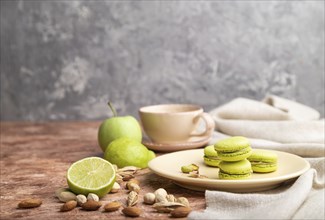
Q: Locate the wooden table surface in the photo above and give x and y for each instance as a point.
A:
(34, 161)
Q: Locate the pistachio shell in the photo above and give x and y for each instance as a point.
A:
(166, 206)
(66, 196)
(116, 187)
(184, 201)
(161, 192)
(132, 198)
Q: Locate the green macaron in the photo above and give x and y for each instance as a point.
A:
(233, 148)
(235, 170)
(263, 161)
(211, 156)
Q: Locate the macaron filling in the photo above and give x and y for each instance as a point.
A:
(212, 161)
(261, 163)
(236, 155)
(263, 167)
(225, 175)
(212, 158)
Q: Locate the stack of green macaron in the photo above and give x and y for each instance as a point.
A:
(238, 160)
(233, 153)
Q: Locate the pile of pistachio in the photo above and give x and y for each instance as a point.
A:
(160, 199)
(89, 203)
(168, 203)
(92, 203)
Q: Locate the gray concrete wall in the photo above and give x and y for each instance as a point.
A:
(64, 59)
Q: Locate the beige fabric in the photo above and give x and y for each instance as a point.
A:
(304, 199)
(285, 121)
(294, 110)
(279, 124)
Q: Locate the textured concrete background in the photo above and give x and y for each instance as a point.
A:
(65, 59)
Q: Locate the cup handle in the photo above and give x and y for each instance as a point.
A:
(209, 124)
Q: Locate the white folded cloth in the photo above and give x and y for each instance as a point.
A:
(275, 119)
(279, 124)
(304, 199)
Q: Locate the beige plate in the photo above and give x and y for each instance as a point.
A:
(289, 166)
(191, 144)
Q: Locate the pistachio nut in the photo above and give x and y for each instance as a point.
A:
(160, 198)
(170, 198)
(149, 198)
(92, 196)
(161, 192)
(116, 187)
(81, 199)
(183, 201)
(189, 168)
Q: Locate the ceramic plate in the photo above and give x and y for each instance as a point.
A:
(193, 143)
(289, 167)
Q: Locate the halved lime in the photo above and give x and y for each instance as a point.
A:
(91, 175)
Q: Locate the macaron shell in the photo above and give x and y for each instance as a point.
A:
(263, 156)
(211, 162)
(231, 144)
(235, 156)
(210, 151)
(238, 167)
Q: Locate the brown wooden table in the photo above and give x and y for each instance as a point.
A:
(34, 161)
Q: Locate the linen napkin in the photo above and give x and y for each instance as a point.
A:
(279, 124)
(275, 119)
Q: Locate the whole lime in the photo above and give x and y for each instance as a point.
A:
(128, 152)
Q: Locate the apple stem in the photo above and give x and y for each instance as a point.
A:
(112, 109)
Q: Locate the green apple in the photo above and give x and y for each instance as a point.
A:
(117, 127)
